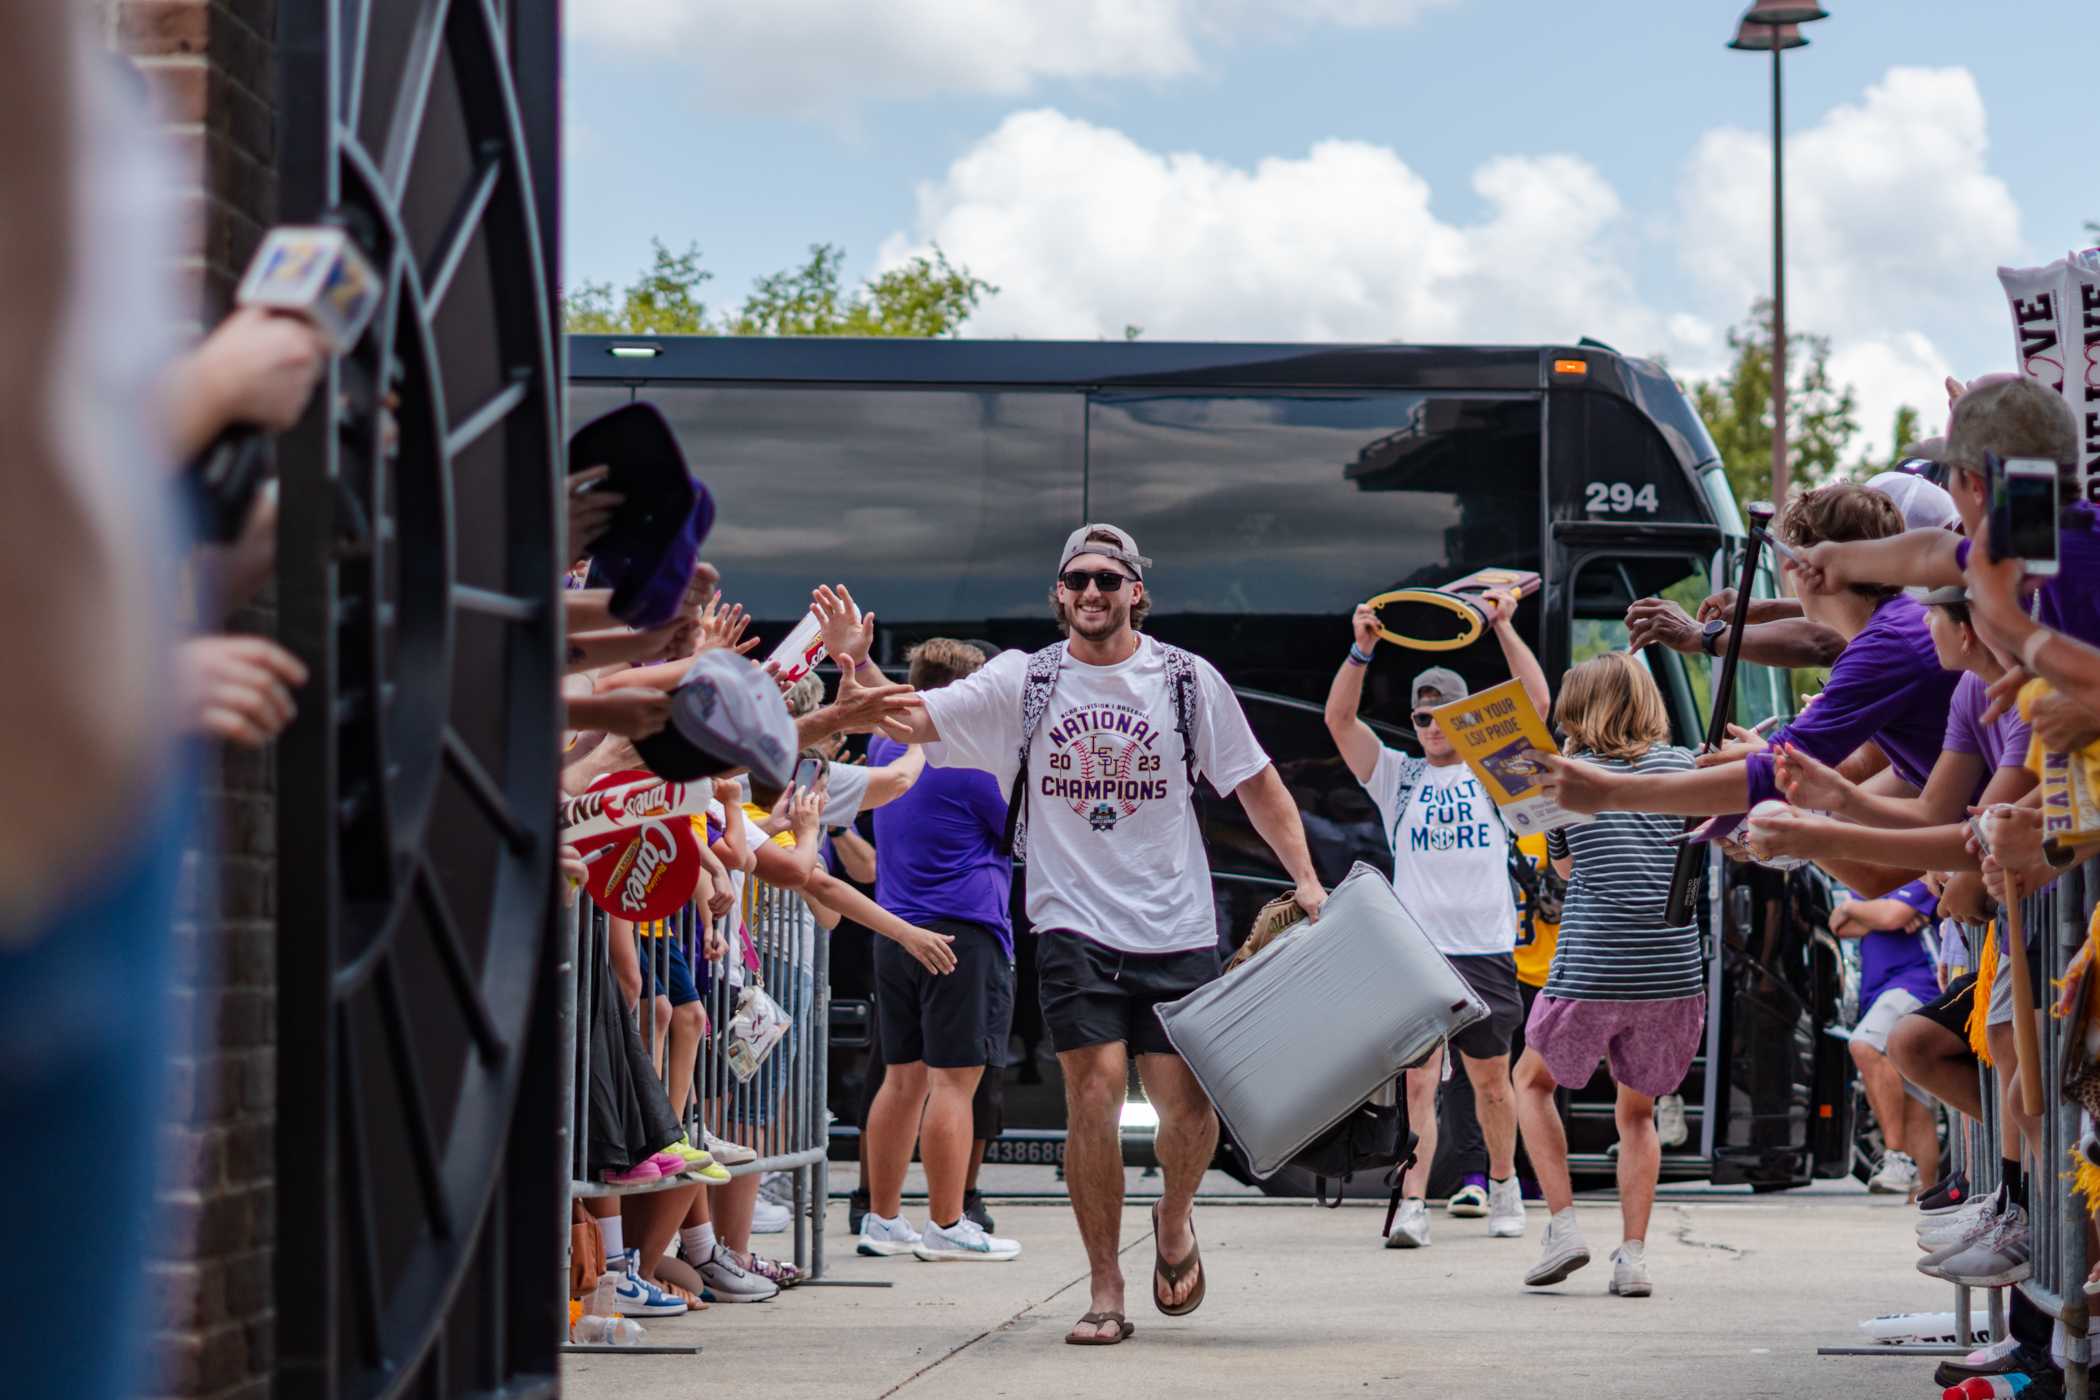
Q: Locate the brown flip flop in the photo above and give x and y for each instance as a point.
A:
(1172, 1274)
(1095, 1319)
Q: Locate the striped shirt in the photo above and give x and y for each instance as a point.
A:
(1614, 942)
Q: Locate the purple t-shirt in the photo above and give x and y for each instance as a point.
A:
(937, 847)
(1888, 958)
(2003, 742)
(1887, 686)
(2069, 598)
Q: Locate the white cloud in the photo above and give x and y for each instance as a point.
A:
(1085, 231)
(1895, 228)
(825, 56)
(1886, 371)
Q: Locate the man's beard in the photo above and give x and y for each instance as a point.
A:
(1094, 626)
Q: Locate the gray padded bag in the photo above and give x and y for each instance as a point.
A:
(1323, 1018)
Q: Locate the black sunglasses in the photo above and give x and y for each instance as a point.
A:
(1076, 580)
(1423, 719)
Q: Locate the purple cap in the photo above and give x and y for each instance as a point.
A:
(648, 553)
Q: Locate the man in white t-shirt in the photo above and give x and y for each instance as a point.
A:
(1118, 885)
(1451, 869)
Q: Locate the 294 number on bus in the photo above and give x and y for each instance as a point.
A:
(1620, 497)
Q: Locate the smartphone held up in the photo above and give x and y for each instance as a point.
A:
(2023, 504)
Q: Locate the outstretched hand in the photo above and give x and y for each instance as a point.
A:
(1575, 785)
(933, 951)
(1742, 743)
(1810, 783)
(848, 634)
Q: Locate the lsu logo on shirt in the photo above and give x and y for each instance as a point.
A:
(1104, 763)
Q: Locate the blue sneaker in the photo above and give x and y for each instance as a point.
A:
(639, 1297)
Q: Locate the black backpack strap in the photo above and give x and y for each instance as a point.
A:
(1181, 681)
(1035, 703)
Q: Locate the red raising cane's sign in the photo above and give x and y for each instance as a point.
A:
(646, 869)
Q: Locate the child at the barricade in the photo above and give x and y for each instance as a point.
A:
(1627, 986)
(1897, 976)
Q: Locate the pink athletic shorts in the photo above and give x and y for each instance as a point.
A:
(1650, 1044)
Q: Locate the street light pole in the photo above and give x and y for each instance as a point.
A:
(1779, 462)
(1776, 25)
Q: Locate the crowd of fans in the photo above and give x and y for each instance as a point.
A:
(1913, 780)
(683, 1238)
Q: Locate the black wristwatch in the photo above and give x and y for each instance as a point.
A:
(1710, 636)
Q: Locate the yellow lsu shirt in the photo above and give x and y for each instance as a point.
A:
(1536, 939)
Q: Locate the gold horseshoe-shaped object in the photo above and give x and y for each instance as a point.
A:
(1472, 615)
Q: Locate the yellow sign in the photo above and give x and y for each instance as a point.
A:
(1495, 731)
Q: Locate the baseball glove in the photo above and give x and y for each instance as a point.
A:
(1269, 924)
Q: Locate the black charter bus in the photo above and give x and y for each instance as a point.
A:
(1275, 486)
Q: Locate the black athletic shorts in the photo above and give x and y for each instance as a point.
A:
(1950, 1010)
(1493, 978)
(957, 1020)
(1093, 994)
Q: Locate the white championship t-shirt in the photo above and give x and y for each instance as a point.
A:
(1450, 855)
(1114, 852)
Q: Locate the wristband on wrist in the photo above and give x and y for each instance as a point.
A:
(1358, 656)
(865, 663)
(2031, 650)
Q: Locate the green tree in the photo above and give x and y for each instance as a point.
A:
(1737, 408)
(664, 300)
(925, 296)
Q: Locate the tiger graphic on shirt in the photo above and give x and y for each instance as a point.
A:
(1104, 762)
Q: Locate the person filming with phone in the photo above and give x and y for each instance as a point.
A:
(2012, 450)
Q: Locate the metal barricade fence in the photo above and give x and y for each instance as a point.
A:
(778, 1109)
(2056, 918)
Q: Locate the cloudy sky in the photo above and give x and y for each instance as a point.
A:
(1427, 170)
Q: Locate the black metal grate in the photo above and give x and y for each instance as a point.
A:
(418, 1231)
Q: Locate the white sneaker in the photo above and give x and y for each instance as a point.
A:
(729, 1154)
(886, 1237)
(637, 1296)
(1561, 1253)
(1958, 1221)
(1670, 1127)
(1965, 1231)
(2004, 1256)
(769, 1219)
(965, 1242)
(779, 1188)
(1898, 1176)
(1629, 1271)
(1410, 1226)
(730, 1282)
(1505, 1210)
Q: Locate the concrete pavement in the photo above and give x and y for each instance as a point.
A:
(1305, 1302)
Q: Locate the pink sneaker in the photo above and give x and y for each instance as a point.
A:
(669, 1164)
(640, 1174)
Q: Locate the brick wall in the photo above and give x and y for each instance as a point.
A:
(209, 63)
